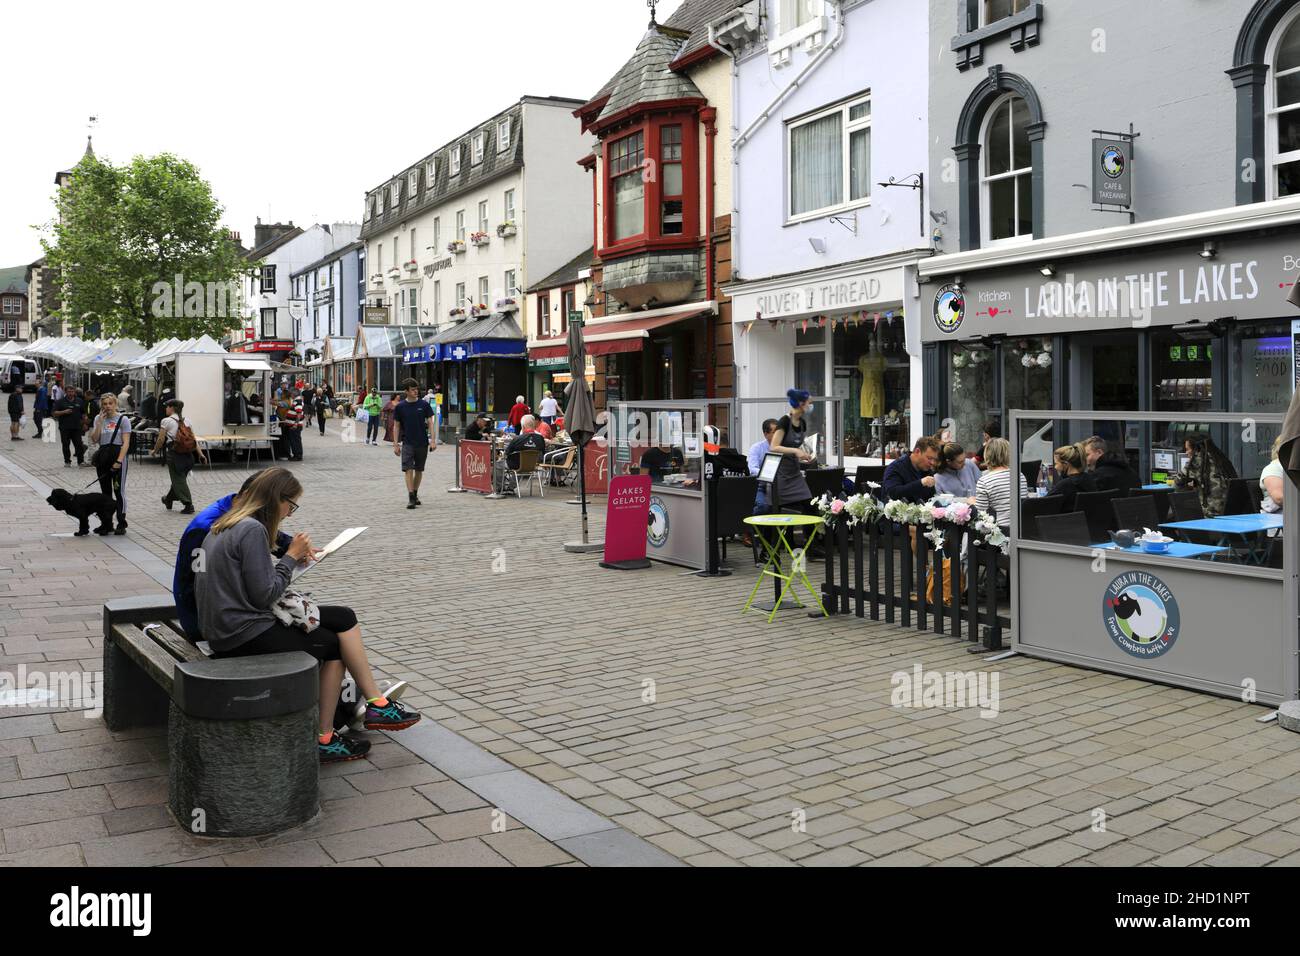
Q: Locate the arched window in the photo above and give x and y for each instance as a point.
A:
(1282, 108)
(1006, 172)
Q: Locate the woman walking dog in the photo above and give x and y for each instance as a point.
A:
(112, 432)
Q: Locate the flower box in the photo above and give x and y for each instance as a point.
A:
(456, 313)
(479, 239)
(507, 305)
(411, 266)
(507, 228)
(479, 311)
(377, 278)
(394, 272)
(456, 246)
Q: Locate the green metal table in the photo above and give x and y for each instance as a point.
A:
(773, 568)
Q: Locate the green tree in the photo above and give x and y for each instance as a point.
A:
(123, 236)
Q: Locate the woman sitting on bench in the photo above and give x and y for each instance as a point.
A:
(239, 584)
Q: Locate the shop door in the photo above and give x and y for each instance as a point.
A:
(662, 368)
(810, 375)
(1108, 373)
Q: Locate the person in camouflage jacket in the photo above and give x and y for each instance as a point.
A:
(1208, 471)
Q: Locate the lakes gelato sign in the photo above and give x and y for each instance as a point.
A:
(1249, 280)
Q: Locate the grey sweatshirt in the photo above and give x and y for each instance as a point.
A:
(237, 585)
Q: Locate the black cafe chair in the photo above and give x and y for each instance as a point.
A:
(735, 503)
(1134, 514)
(1244, 497)
(1096, 507)
(825, 481)
(1185, 505)
(866, 473)
(1031, 509)
(1030, 470)
(1159, 498)
(1068, 528)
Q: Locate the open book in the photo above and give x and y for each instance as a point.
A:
(344, 536)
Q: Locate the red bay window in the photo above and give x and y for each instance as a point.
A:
(651, 185)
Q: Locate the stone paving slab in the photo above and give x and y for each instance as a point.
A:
(649, 700)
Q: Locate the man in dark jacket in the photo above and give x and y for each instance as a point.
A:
(1112, 470)
(912, 478)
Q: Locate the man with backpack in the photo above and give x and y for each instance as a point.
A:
(177, 434)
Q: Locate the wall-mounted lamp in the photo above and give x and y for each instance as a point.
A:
(818, 244)
(1047, 269)
(1209, 250)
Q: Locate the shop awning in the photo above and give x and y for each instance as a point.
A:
(245, 365)
(495, 336)
(625, 336)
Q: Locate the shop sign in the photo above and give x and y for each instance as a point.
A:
(476, 466)
(1244, 279)
(267, 345)
(323, 296)
(1112, 172)
(626, 518)
(555, 361)
(455, 353)
(812, 298)
(1140, 614)
(376, 315)
(415, 355)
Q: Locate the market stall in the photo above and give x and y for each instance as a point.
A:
(1208, 604)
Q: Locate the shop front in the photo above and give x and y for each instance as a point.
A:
(338, 369)
(663, 357)
(420, 362)
(841, 332)
(1185, 316)
(482, 365)
(379, 351)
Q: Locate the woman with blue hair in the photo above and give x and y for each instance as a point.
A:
(787, 440)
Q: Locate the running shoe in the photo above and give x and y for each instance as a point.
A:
(392, 692)
(392, 716)
(342, 748)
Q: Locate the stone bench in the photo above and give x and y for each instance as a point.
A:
(241, 732)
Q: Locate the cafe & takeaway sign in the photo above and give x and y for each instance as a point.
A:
(1247, 279)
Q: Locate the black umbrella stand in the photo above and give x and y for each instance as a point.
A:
(584, 546)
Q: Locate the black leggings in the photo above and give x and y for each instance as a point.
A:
(322, 643)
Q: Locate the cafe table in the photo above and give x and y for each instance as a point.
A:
(773, 568)
(1177, 549)
(1247, 527)
(1160, 487)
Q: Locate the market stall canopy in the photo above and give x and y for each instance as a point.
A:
(164, 350)
(65, 350)
(9, 347)
(629, 335)
(493, 336)
(121, 354)
(338, 349)
(246, 365)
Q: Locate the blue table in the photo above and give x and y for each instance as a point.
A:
(1178, 549)
(1158, 488)
(1247, 527)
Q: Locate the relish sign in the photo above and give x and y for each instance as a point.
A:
(476, 466)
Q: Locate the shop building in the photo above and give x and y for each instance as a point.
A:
(551, 305)
(455, 236)
(830, 105)
(1047, 295)
(13, 306)
(329, 295)
(272, 314)
(661, 189)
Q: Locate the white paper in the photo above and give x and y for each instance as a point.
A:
(344, 536)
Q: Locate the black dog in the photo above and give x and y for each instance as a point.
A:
(82, 507)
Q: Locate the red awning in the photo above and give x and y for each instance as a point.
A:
(549, 351)
(629, 335)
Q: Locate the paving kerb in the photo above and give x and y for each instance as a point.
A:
(798, 711)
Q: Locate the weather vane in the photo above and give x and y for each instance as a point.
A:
(652, 4)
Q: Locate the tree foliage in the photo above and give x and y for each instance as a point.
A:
(125, 232)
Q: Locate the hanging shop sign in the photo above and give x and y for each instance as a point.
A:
(1112, 172)
(376, 315)
(1244, 278)
(323, 296)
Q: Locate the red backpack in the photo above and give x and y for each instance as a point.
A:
(184, 443)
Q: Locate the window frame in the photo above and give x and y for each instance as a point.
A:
(986, 206)
(1272, 157)
(503, 135)
(267, 273)
(478, 148)
(981, 12)
(787, 35)
(413, 304)
(568, 303)
(271, 313)
(508, 205)
(455, 161)
(460, 296)
(460, 225)
(483, 215)
(484, 291)
(544, 315)
(651, 234)
(437, 234)
(509, 289)
(847, 129)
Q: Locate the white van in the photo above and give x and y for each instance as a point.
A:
(18, 371)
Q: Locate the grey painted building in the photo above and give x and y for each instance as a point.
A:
(1040, 298)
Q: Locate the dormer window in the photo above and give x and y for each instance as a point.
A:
(380, 200)
(480, 139)
(414, 181)
(430, 173)
(503, 135)
(395, 194)
(455, 160)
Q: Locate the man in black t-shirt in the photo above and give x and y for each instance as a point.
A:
(530, 438)
(67, 412)
(479, 429)
(412, 438)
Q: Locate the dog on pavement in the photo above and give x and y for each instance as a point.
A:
(82, 507)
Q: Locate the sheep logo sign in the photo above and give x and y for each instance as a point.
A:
(1141, 614)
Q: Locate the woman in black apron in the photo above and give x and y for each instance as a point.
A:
(792, 491)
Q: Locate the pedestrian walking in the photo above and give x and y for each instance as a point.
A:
(126, 400)
(373, 405)
(291, 420)
(518, 412)
(386, 416)
(41, 408)
(323, 401)
(112, 432)
(56, 391)
(177, 444)
(308, 404)
(16, 413)
(412, 438)
(548, 408)
(67, 414)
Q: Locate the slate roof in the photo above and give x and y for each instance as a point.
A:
(567, 274)
(499, 326)
(270, 246)
(646, 78)
(336, 254)
(13, 279)
(695, 16)
(446, 187)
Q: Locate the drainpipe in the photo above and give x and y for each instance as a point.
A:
(730, 54)
(709, 116)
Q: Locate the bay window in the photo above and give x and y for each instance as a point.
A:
(651, 184)
(994, 10)
(626, 157)
(830, 160)
(1282, 109)
(670, 169)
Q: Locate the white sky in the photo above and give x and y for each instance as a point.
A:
(290, 109)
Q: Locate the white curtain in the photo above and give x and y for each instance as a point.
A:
(816, 165)
(629, 205)
(860, 164)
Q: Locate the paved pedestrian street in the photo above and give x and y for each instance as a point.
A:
(609, 717)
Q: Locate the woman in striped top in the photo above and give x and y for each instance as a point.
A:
(993, 490)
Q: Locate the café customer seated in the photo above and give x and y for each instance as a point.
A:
(530, 439)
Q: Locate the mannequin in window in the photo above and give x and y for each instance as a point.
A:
(871, 403)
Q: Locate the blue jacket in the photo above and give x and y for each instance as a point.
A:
(42, 400)
(187, 606)
(903, 480)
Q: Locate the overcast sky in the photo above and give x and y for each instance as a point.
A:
(290, 109)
